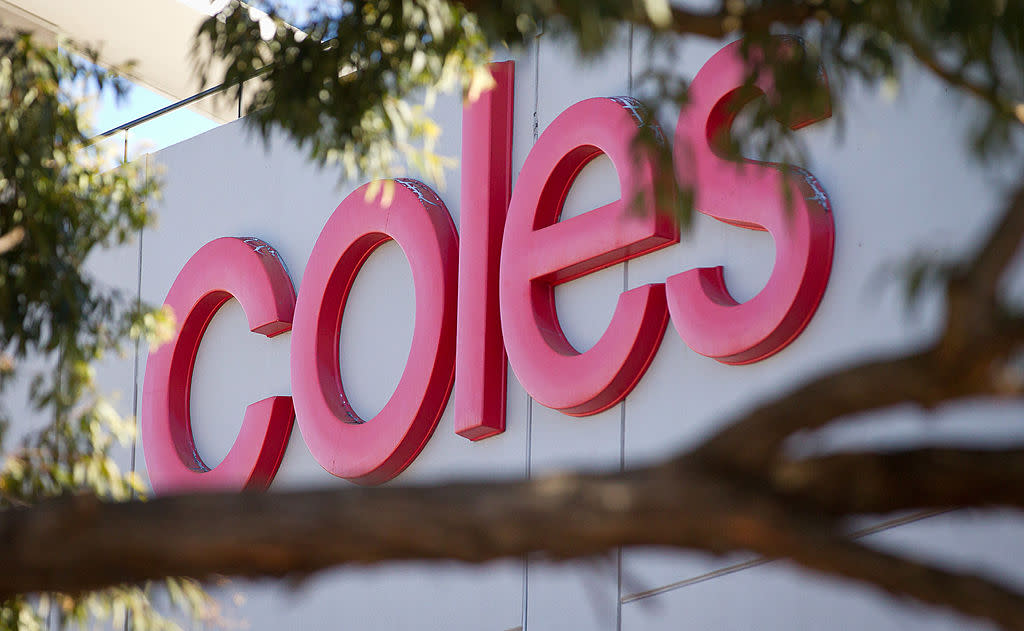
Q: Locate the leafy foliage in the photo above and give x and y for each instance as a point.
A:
(334, 83)
(58, 204)
(338, 85)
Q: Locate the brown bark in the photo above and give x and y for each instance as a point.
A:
(871, 482)
(79, 543)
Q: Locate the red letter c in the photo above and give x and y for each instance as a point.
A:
(250, 271)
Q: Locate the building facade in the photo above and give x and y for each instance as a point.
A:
(900, 181)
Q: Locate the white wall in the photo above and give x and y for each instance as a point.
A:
(900, 182)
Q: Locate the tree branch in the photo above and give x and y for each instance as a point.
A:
(710, 24)
(753, 442)
(965, 361)
(78, 543)
(902, 30)
(759, 20)
(1000, 247)
(879, 482)
(966, 593)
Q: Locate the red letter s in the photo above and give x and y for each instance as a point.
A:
(703, 312)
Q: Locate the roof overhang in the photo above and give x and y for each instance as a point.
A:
(155, 35)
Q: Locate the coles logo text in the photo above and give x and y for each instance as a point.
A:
(484, 295)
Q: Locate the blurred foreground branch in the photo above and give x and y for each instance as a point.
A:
(738, 491)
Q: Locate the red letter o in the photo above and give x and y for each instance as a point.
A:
(376, 450)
